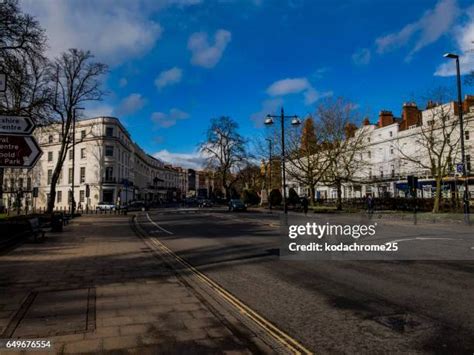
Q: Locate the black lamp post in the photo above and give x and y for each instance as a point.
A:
(295, 122)
(270, 171)
(73, 200)
(461, 128)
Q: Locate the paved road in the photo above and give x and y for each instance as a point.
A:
(330, 306)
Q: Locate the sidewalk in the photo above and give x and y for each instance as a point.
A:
(97, 287)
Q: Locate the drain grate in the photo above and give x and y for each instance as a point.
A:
(56, 312)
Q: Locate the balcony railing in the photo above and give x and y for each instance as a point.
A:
(109, 180)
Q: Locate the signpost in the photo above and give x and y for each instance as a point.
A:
(3, 82)
(17, 125)
(18, 151)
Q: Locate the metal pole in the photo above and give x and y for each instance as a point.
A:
(463, 155)
(73, 160)
(270, 173)
(285, 207)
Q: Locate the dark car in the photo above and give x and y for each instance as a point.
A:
(237, 205)
(205, 203)
(136, 206)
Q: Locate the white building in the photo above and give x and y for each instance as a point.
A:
(392, 145)
(107, 163)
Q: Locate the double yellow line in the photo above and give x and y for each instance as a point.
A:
(281, 337)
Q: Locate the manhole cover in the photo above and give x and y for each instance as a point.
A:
(51, 313)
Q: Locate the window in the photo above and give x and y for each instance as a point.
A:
(69, 176)
(50, 175)
(368, 139)
(391, 150)
(466, 135)
(370, 173)
(369, 154)
(430, 122)
(109, 150)
(109, 131)
(82, 178)
(83, 153)
(393, 170)
(71, 153)
(391, 134)
(50, 156)
(59, 196)
(83, 134)
(69, 197)
(28, 184)
(50, 139)
(82, 196)
(109, 173)
(20, 183)
(381, 173)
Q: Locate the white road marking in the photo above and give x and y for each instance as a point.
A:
(157, 225)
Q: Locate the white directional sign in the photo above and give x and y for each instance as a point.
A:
(16, 125)
(3, 82)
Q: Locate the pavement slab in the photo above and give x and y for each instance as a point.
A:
(97, 287)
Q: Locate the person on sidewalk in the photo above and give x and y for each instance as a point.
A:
(305, 203)
(370, 204)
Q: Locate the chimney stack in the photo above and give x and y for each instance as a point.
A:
(411, 116)
(467, 103)
(366, 122)
(385, 118)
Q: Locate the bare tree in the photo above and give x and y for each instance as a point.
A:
(225, 151)
(342, 142)
(434, 144)
(76, 79)
(307, 161)
(22, 45)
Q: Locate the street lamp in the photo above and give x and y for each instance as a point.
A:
(294, 122)
(73, 201)
(461, 128)
(270, 171)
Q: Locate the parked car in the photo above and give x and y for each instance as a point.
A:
(106, 206)
(237, 205)
(136, 206)
(205, 203)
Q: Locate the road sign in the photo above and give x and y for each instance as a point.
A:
(16, 125)
(3, 82)
(459, 168)
(18, 151)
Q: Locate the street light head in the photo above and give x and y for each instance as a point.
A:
(451, 55)
(295, 121)
(269, 120)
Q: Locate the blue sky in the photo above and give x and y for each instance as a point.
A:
(175, 64)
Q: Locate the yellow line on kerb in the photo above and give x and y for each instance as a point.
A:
(287, 341)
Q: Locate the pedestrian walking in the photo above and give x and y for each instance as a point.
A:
(370, 204)
(304, 203)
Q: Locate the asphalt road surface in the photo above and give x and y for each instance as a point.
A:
(330, 305)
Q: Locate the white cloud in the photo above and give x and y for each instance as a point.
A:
(168, 77)
(205, 54)
(114, 31)
(193, 160)
(361, 56)
(295, 86)
(166, 120)
(464, 36)
(98, 110)
(288, 86)
(269, 106)
(428, 29)
(311, 96)
(123, 82)
(131, 104)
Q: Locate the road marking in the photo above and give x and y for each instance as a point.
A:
(283, 338)
(157, 225)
